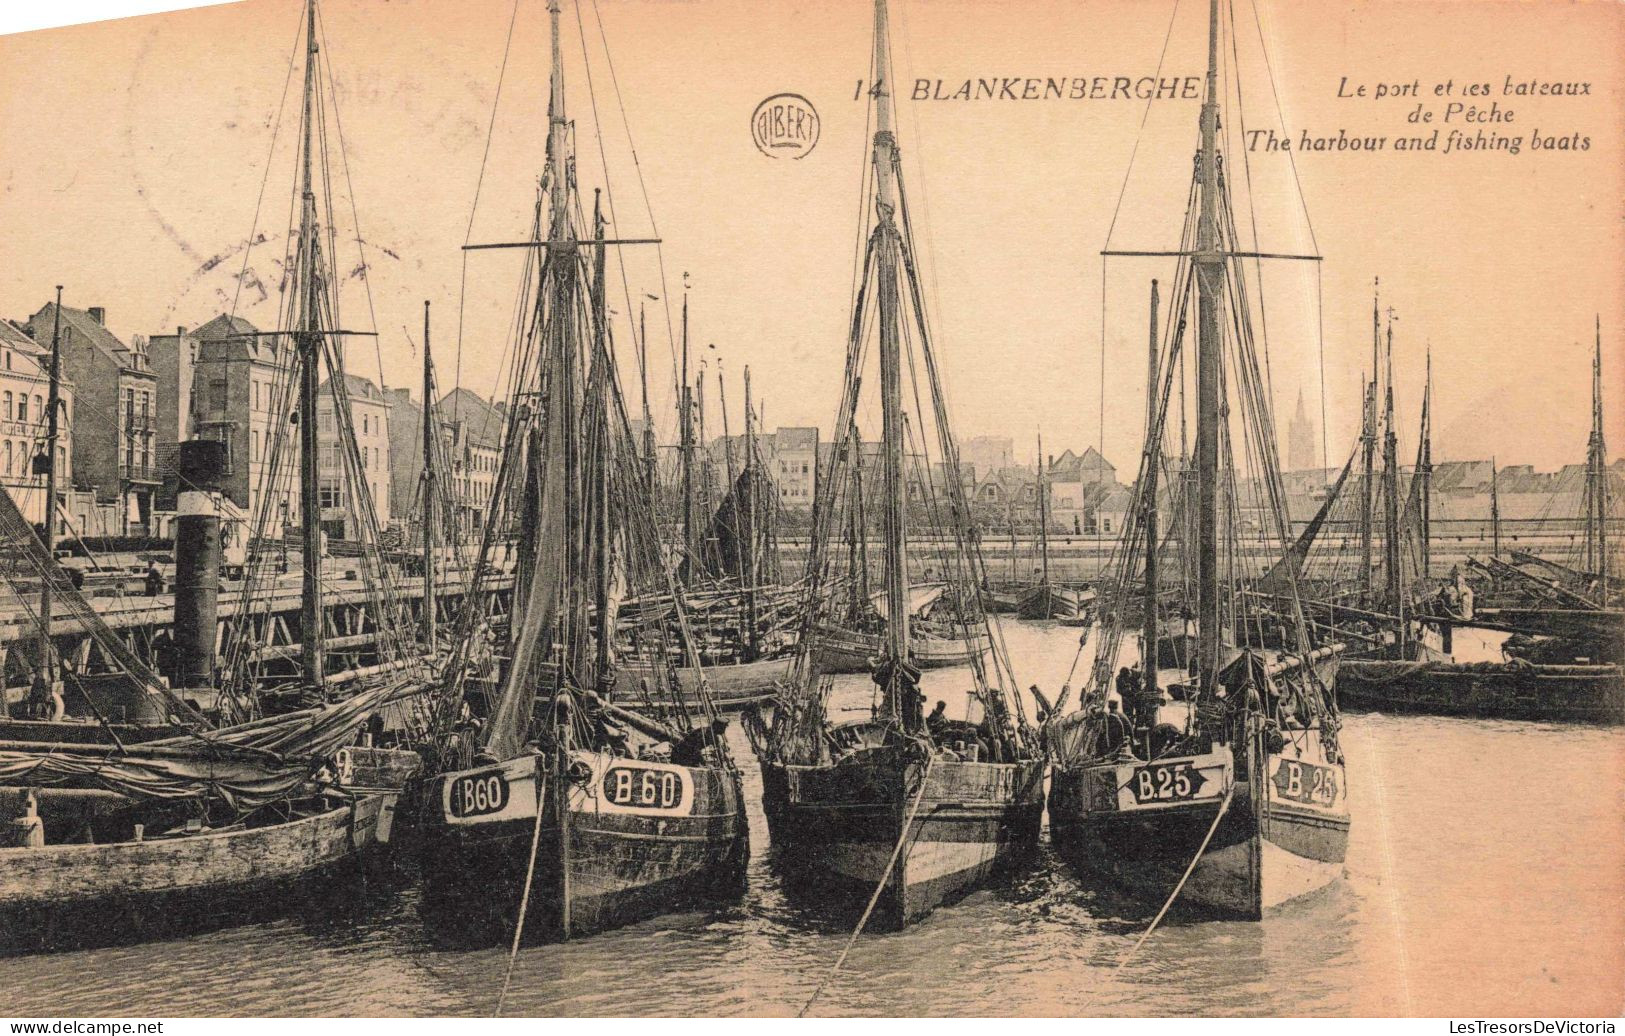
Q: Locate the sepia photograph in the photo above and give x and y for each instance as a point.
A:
(772, 509)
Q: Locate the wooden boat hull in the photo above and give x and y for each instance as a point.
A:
(835, 828)
(1047, 601)
(999, 602)
(842, 651)
(732, 686)
(1514, 690)
(637, 839)
(1136, 826)
(72, 896)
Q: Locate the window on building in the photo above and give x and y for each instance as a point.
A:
(254, 446)
(39, 409)
(5, 407)
(129, 457)
(217, 395)
(129, 408)
(22, 406)
(332, 493)
(7, 454)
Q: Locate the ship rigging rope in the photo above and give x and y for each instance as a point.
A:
(479, 183)
(1224, 806)
(1167, 36)
(349, 184)
(897, 851)
(276, 127)
(643, 186)
(524, 898)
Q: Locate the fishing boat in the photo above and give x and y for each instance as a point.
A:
(729, 686)
(190, 833)
(907, 811)
(839, 650)
(231, 813)
(1565, 659)
(206, 826)
(1047, 599)
(1053, 601)
(729, 564)
(1222, 789)
(1000, 600)
(943, 626)
(553, 812)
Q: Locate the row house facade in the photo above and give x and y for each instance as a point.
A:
(114, 453)
(470, 431)
(790, 456)
(368, 406)
(237, 383)
(235, 395)
(173, 359)
(25, 377)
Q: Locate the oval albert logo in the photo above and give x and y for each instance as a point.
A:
(785, 126)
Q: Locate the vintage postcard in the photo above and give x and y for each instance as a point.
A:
(771, 508)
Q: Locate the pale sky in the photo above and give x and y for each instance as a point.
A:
(138, 147)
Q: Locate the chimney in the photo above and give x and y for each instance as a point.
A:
(98, 314)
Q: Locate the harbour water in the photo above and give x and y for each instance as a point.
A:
(1485, 873)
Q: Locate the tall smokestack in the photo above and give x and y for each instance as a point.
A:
(200, 464)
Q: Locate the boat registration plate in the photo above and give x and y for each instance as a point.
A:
(477, 794)
(643, 788)
(1298, 781)
(1167, 782)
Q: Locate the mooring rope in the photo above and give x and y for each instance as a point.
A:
(885, 876)
(524, 899)
(1223, 806)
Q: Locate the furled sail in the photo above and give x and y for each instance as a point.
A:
(1285, 573)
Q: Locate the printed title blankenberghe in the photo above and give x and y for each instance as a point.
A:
(1063, 88)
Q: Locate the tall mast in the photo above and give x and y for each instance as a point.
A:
(648, 418)
(729, 455)
(1209, 261)
(562, 327)
(1043, 513)
(46, 676)
(1368, 443)
(685, 423)
(1153, 437)
(1597, 472)
(886, 237)
(702, 459)
(605, 631)
(1425, 470)
(857, 526)
(1390, 471)
(430, 488)
(1495, 510)
(752, 564)
(309, 339)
